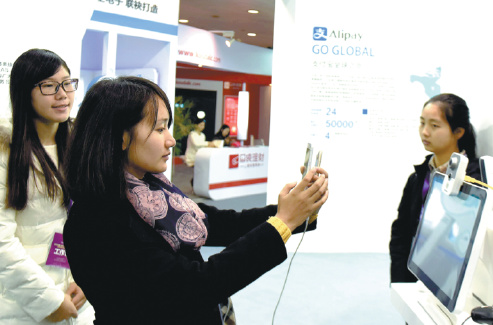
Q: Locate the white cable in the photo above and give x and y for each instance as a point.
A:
(289, 268)
(227, 311)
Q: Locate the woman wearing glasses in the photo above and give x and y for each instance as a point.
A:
(36, 286)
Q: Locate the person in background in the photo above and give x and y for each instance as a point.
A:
(35, 283)
(196, 140)
(444, 129)
(133, 238)
(223, 134)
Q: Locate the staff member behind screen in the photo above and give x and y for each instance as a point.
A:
(444, 129)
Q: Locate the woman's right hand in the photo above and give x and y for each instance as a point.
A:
(298, 202)
(65, 311)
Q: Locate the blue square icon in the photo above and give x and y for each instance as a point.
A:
(365, 111)
(320, 33)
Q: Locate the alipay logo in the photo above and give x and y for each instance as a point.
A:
(319, 33)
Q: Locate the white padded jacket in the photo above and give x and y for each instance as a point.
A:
(195, 141)
(30, 290)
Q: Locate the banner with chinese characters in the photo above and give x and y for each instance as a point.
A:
(150, 10)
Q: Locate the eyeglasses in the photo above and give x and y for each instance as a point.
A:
(52, 87)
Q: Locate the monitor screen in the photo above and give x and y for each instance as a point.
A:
(486, 169)
(446, 239)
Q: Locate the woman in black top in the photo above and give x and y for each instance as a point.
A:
(444, 129)
(133, 238)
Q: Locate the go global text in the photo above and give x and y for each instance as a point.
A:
(342, 50)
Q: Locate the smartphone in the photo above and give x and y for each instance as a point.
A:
(318, 160)
(308, 158)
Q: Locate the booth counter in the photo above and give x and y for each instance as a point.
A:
(222, 173)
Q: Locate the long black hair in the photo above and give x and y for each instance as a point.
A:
(457, 113)
(30, 68)
(219, 135)
(96, 161)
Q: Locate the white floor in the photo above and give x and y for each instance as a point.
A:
(349, 289)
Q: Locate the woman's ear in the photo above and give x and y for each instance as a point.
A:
(459, 133)
(126, 140)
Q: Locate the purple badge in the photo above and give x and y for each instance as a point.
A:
(57, 256)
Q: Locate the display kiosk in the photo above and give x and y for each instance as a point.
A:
(451, 257)
(227, 172)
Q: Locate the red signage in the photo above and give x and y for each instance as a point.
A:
(234, 161)
(231, 114)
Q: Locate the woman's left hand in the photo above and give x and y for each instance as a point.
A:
(78, 297)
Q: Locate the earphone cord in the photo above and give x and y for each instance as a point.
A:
(289, 268)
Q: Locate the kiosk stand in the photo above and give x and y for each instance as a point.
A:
(451, 252)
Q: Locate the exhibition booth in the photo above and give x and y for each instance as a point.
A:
(227, 85)
(344, 81)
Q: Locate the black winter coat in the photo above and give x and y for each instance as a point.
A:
(131, 275)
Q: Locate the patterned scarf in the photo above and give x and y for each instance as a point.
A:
(165, 208)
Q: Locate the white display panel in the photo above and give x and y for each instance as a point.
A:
(357, 94)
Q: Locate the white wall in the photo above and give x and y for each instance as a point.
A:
(368, 163)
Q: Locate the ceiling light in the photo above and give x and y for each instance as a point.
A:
(183, 21)
(253, 11)
(226, 33)
(230, 41)
(252, 34)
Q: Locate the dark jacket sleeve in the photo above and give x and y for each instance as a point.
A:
(402, 233)
(227, 226)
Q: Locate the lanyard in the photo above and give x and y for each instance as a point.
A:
(426, 187)
(424, 193)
